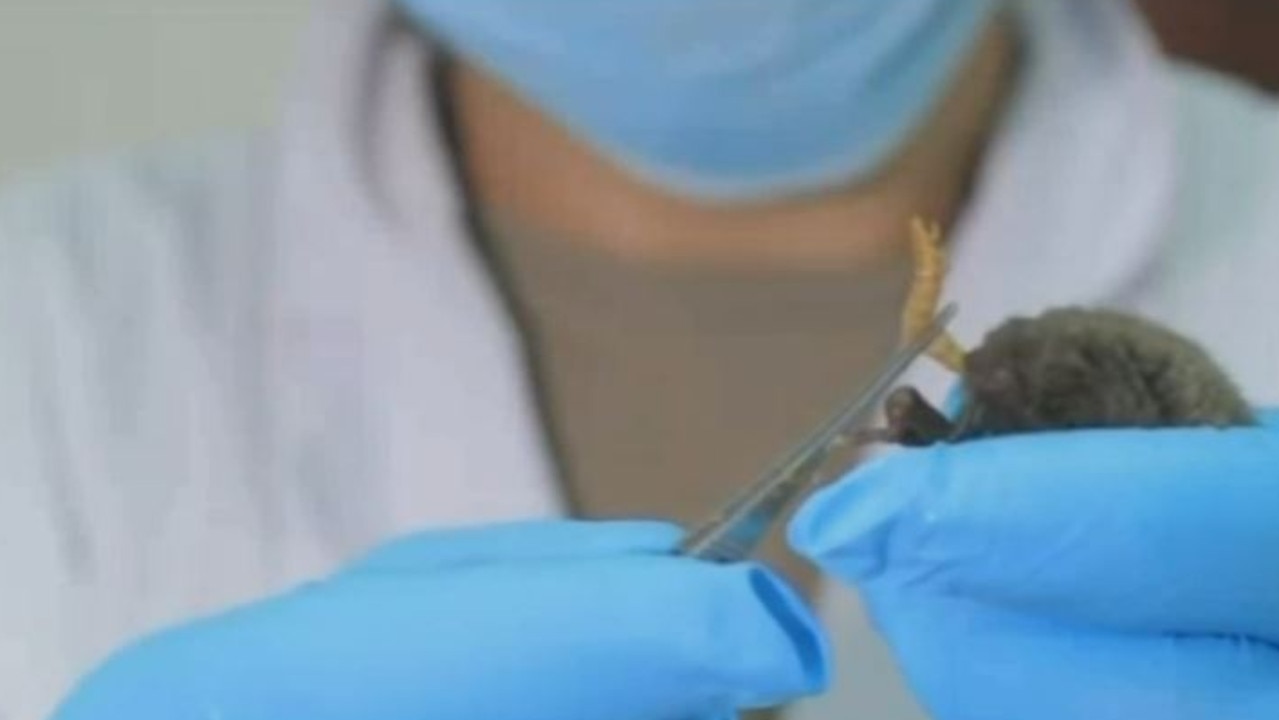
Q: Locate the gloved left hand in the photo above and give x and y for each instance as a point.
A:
(529, 621)
(1062, 576)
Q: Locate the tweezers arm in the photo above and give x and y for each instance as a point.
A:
(735, 533)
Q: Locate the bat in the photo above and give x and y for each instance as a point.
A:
(1067, 368)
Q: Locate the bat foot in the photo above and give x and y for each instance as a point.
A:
(913, 421)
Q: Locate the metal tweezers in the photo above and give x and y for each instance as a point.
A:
(739, 527)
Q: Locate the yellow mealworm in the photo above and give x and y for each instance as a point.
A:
(925, 292)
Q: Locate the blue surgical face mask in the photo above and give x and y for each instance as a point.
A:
(723, 99)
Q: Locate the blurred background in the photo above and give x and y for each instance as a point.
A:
(1235, 36)
(81, 76)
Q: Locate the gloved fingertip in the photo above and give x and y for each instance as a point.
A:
(953, 406)
(1268, 417)
(845, 527)
(811, 672)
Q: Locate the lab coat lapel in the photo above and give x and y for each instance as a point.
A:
(407, 402)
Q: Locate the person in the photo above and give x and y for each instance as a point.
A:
(294, 420)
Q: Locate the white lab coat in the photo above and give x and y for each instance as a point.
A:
(227, 367)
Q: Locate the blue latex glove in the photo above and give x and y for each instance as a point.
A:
(1061, 576)
(527, 621)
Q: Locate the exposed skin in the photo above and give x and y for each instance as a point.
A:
(526, 167)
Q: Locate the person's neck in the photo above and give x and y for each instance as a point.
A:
(525, 167)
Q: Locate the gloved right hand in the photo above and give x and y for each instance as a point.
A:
(1101, 574)
(525, 621)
